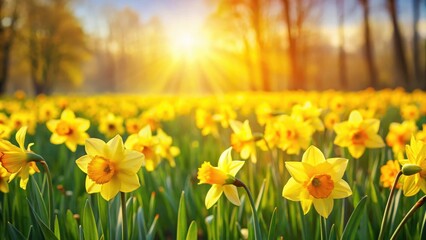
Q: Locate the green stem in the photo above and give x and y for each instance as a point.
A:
(34, 157)
(124, 215)
(255, 218)
(50, 194)
(388, 204)
(410, 213)
(323, 228)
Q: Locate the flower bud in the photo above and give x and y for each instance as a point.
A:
(410, 169)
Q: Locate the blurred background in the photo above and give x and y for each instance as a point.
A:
(210, 46)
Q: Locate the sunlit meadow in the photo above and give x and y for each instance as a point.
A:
(292, 165)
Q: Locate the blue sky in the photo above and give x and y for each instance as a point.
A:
(193, 12)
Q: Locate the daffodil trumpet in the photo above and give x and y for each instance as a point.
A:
(388, 204)
(256, 225)
(410, 213)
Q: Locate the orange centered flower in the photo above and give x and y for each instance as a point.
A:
(63, 129)
(212, 175)
(320, 186)
(359, 137)
(100, 170)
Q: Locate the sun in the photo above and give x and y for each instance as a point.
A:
(187, 43)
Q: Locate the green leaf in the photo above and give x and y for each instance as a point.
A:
(89, 225)
(14, 232)
(260, 195)
(332, 235)
(151, 232)
(192, 231)
(36, 198)
(71, 225)
(351, 228)
(272, 225)
(57, 230)
(181, 221)
(423, 229)
(47, 233)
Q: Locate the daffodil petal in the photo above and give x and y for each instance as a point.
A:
(313, 156)
(213, 195)
(374, 141)
(91, 186)
(129, 182)
(133, 161)
(355, 117)
(83, 161)
(67, 114)
(341, 190)
(235, 166)
(20, 137)
(245, 152)
(225, 157)
(323, 206)
(306, 205)
(83, 124)
(117, 148)
(410, 186)
(145, 132)
(110, 189)
(297, 171)
(231, 193)
(95, 147)
(52, 124)
(356, 150)
(292, 190)
(235, 125)
(71, 145)
(57, 139)
(338, 167)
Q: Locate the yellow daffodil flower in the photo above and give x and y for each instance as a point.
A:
(410, 112)
(310, 114)
(47, 111)
(388, 173)
(221, 179)
(399, 134)
(23, 118)
(133, 125)
(316, 181)
(357, 134)
(165, 149)
(205, 121)
(69, 130)
(15, 159)
(145, 143)
(331, 119)
(224, 115)
(111, 125)
(4, 179)
(110, 168)
(242, 140)
(421, 135)
(295, 134)
(416, 153)
(263, 113)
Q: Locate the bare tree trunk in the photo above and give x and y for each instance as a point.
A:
(368, 45)
(263, 66)
(7, 36)
(342, 55)
(400, 60)
(291, 47)
(249, 64)
(416, 48)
